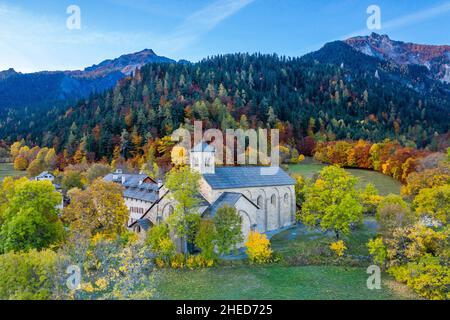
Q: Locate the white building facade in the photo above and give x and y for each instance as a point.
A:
(265, 202)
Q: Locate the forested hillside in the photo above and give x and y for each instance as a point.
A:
(316, 96)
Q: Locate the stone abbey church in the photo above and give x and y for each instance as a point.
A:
(265, 202)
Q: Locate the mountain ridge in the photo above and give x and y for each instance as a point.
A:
(436, 58)
(53, 87)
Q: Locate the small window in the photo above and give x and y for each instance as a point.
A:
(259, 201)
(273, 200)
(286, 198)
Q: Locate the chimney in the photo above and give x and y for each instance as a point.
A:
(160, 183)
(123, 180)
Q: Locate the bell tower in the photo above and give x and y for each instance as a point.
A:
(202, 158)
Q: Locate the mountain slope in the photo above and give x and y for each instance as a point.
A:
(410, 76)
(337, 92)
(435, 58)
(44, 89)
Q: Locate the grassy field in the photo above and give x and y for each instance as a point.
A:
(276, 282)
(307, 271)
(7, 170)
(383, 183)
(307, 268)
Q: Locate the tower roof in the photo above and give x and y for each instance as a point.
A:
(203, 147)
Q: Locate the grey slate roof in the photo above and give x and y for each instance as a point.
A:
(144, 224)
(134, 187)
(226, 198)
(245, 177)
(129, 178)
(145, 192)
(202, 202)
(203, 147)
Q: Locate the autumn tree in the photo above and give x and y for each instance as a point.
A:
(28, 275)
(15, 148)
(332, 202)
(179, 156)
(184, 185)
(427, 178)
(97, 170)
(100, 209)
(370, 199)
(160, 242)
(300, 189)
(258, 248)
(229, 229)
(20, 164)
(73, 179)
(434, 203)
(30, 217)
(38, 165)
(205, 239)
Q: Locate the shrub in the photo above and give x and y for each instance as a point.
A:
(258, 248)
(412, 243)
(370, 199)
(338, 247)
(428, 277)
(192, 262)
(393, 212)
(378, 251)
(27, 276)
(434, 203)
(178, 261)
(206, 237)
(161, 244)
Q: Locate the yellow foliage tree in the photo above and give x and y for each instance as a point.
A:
(179, 156)
(99, 209)
(258, 248)
(20, 164)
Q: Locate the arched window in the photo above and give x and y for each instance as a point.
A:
(273, 200)
(286, 198)
(259, 202)
(171, 210)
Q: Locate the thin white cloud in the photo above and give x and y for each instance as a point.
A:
(203, 21)
(27, 38)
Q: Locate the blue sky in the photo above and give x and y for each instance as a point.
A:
(34, 36)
